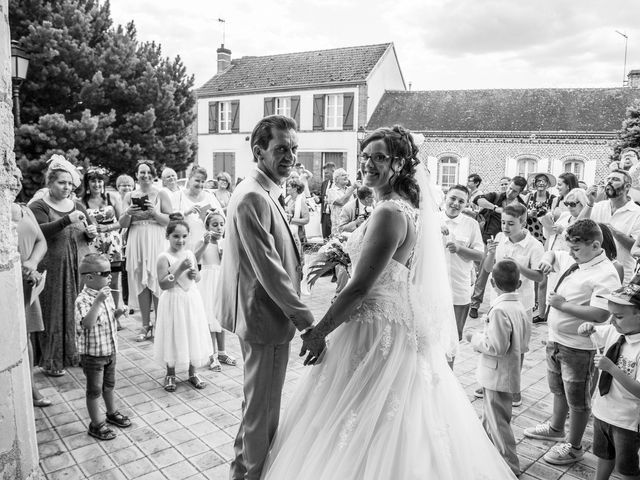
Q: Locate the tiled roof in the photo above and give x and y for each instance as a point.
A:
(545, 109)
(335, 66)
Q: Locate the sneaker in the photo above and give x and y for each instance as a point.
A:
(473, 313)
(517, 400)
(543, 431)
(563, 454)
(479, 393)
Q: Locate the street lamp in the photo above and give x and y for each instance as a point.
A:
(19, 67)
(362, 133)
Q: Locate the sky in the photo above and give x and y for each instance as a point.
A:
(441, 44)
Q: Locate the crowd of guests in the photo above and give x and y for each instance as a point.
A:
(556, 252)
(80, 240)
(544, 250)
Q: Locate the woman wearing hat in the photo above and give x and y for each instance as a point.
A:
(539, 202)
(104, 208)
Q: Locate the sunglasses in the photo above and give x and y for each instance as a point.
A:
(572, 204)
(101, 274)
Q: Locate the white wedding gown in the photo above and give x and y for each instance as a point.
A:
(383, 404)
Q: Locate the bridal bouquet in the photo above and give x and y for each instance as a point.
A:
(330, 256)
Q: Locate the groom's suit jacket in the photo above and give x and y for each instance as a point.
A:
(259, 284)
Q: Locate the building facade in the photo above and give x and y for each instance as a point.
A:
(330, 93)
(498, 133)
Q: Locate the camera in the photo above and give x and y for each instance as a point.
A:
(140, 201)
(539, 212)
(367, 211)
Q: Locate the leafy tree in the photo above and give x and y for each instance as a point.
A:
(94, 92)
(629, 134)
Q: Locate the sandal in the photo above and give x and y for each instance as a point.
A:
(145, 334)
(119, 420)
(170, 383)
(215, 365)
(101, 432)
(227, 360)
(42, 402)
(196, 382)
(54, 373)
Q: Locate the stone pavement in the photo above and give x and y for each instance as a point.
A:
(189, 433)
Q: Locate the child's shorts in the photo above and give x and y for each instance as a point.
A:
(619, 444)
(569, 372)
(100, 373)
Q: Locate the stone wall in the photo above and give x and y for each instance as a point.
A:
(18, 447)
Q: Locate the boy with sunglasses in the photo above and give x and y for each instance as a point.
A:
(97, 343)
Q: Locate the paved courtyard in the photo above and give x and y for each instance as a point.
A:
(189, 434)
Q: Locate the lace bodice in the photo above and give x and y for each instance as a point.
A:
(389, 297)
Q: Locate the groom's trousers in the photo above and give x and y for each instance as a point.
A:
(265, 367)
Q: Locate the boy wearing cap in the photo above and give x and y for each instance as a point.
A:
(585, 273)
(97, 343)
(502, 345)
(616, 405)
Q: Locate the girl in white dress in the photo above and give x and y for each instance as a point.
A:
(182, 332)
(383, 403)
(208, 253)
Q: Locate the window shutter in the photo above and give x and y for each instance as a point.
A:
(213, 117)
(347, 111)
(269, 106)
(235, 115)
(318, 112)
(295, 109)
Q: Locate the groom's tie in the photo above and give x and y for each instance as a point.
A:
(281, 200)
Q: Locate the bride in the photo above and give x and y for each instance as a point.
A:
(382, 403)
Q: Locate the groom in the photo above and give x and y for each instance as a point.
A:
(260, 289)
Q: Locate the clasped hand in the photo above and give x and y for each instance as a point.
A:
(313, 345)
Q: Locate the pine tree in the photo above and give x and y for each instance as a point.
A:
(95, 93)
(629, 134)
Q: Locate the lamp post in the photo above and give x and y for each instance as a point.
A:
(624, 68)
(362, 133)
(19, 67)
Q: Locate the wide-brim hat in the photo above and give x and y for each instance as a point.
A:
(532, 178)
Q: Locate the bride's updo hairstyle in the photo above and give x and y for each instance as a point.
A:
(400, 144)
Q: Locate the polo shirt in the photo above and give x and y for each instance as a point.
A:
(596, 277)
(527, 252)
(627, 220)
(464, 231)
(619, 407)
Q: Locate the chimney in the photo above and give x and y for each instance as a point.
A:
(224, 58)
(633, 79)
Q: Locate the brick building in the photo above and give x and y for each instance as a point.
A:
(511, 132)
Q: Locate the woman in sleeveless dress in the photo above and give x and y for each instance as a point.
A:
(68, 231)
(194, 202)
(104, 208)
(146, 214)
(383, 403)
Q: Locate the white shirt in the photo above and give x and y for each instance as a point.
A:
(175, 198)
(527, 252)
(627, 220)
(464, 231)
(619, 407)
(596, 277)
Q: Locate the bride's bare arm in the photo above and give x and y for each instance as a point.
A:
(386, 232)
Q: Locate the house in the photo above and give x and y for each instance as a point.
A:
(505, 132)
(330, 93)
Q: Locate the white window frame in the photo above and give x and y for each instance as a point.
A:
(448, 171)
(224, 117)
(282, 106)
(569, 165)
(333, 111)
(531, 166)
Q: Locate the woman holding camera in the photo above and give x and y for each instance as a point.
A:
(146, 214)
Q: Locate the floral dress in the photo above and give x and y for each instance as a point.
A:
(108, 243)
